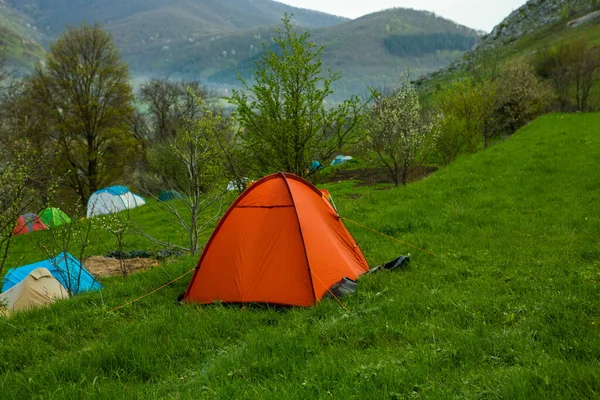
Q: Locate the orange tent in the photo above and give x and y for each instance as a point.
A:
(279, 243)
(28, 223)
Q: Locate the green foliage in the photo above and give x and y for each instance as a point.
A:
(84, 96)
(421, 44)
(284, 116)
(468, 109)
(192, 163)
(15, 197)
(397, 131)
(170, 105)
(572, 69)
(508, 308)
(521, 97)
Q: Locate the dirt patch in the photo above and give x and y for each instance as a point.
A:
(373, 176)
(107, 266)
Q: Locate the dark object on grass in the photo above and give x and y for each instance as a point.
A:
(396, 263)
(401, 261)
(180, 298)
(126, 255)
(343, 288)
(166, 253)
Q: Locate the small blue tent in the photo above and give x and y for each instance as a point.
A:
(315, 166)
(170, 195)
(64, 267)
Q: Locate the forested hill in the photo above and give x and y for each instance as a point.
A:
(132, 21)
(214, 40)
(369, 51)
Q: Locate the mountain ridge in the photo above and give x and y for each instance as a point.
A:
(214, 40)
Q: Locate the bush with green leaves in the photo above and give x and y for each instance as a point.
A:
(572, 68)
(468, 109)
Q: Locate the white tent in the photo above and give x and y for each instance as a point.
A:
(38, 289)
(112, 200)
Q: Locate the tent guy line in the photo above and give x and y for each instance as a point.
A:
(154, 291)
(387, 236)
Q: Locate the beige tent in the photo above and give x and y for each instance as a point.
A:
(38, 289)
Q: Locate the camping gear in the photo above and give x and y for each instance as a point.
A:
(64, 267)
(398, 262)
(340, 160)
(52, 217)
(170, 195)
(112, 200)
(28, 223)
(37, 289)
(279, 243)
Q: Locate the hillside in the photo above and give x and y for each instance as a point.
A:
(213, 40)
(535, 26)
(19, 38)
(369, 51)
(134, 21)
(508, 307)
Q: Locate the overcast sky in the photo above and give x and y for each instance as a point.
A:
(478, 14)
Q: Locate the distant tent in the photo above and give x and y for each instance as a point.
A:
(170, 195)
(64, 267)
(54, 217)
(112, 200)
(28, 223)
(37, 289)
(315, 166)
(279, 243)
(340, 160)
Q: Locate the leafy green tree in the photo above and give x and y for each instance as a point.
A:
(84, 94)
(284, 115)
(398, 133)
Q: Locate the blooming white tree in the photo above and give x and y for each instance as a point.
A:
(398, 133)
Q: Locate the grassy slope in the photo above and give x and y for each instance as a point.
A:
(508, 308)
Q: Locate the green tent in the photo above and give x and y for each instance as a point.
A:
(54, 217)
(170, 195)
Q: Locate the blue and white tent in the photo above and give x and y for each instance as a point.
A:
(113, 200)
(340, 160)
(64, 268)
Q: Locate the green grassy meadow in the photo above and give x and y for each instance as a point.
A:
(508, 308)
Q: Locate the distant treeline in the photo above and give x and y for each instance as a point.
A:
(425, 43)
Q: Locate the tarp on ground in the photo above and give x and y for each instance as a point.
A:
(64, 267)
